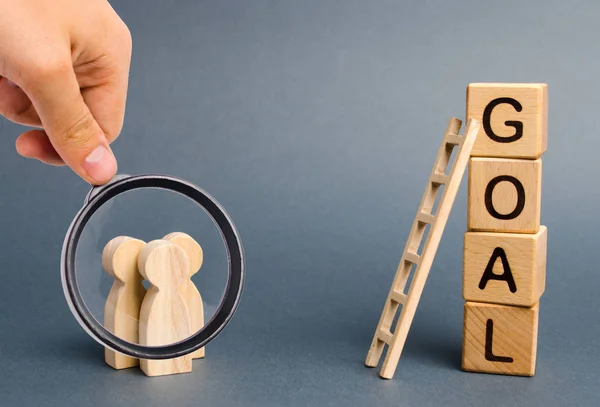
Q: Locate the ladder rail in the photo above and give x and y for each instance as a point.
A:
(421, 270)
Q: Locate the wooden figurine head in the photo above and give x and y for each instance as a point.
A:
(120, 256)
(191, 247)
(164, 264)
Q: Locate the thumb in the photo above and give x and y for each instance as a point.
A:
(72, 130)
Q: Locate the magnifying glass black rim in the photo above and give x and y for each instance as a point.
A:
(233, 289)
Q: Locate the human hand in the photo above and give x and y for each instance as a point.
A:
(64, 67)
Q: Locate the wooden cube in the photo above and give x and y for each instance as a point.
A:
(514, 119)
(505, 268)
(504, 195)
(500, 339)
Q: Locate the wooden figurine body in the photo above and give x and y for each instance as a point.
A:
(164, 317)
(188, 290)
(122, 309)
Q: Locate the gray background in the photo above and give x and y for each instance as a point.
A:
(315, 124)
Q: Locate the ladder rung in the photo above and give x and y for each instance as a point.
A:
(414, 258)
(454, 139)
(426, 218)
(385, 335)
(398, 297)
(439, 178)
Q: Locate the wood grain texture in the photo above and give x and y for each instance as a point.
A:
(504, 195)
(122, 308)
(505, 268)
(164, 317)
(495, 140)
(189, 292)
(500, 339)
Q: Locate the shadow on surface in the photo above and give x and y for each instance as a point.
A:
(428, 349)
(76, 349)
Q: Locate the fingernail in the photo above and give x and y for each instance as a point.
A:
(100, 165)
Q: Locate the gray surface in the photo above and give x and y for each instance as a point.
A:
(315, 124)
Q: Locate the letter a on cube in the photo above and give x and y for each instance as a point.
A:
(504, 195)
(500, 339)
(514, 119)
(505, 268)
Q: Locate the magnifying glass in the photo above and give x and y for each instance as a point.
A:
(160, 214)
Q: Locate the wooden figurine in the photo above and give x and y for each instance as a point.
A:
(504, 195)
(122, 309)
(500, 339)
(190, 293)
(505, 268)
(514, 119)
(164, 317)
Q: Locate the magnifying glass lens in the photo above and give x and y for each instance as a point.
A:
(151, 267)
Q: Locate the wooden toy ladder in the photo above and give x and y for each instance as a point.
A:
(422, 261)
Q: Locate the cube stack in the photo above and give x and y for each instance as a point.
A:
(504, 266)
